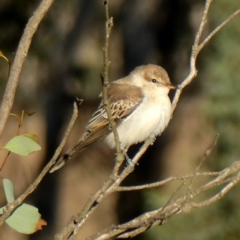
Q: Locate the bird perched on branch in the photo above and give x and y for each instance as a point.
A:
(139, 105)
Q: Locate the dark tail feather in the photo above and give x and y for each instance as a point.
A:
(87, 139)
(61, 161)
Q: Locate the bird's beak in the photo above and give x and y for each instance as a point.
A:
(171, 86)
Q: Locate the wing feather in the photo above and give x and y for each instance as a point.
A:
(123, 99)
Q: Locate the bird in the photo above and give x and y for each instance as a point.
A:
(140, 106)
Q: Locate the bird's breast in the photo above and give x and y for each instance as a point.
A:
(149, 119)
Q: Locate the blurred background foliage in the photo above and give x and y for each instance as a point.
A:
(65, 60)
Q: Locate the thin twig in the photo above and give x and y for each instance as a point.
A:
(217, 29)
(19, 59)
(206, 154)
(112, 124)
(179, 206)
(195, 50)
(197, 47)
(165, 181)
(203, 22)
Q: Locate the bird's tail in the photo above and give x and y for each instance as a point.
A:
(87, 138)
(61, 161)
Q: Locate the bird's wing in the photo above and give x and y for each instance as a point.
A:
(123, 99)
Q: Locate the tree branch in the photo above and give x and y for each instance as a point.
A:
(19, 60)
(180, 206)
(112, 124)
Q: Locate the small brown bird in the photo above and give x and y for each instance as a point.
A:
(139, 105)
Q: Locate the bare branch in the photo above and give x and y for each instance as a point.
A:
(165, 181)
(171, 179)
(195, 50)
(19, 59)
(217, 29)
(112, 124)
(206, 154)
(197, 47)
(179, 206)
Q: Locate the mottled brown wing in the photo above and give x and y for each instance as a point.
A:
(123, 99)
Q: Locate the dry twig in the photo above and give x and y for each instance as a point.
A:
(179, 206)
(19, 60)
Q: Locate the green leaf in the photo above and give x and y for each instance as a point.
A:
(32, 136)
(24, 219)
(9, 190)
(22, 145)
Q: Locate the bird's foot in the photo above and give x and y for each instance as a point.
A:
(128, 159)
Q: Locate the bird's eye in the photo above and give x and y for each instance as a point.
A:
(154, 80)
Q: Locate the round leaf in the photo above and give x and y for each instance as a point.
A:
(8, 189)
(22, 145)
(24, 219)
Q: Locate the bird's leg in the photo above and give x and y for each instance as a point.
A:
(128, 159)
